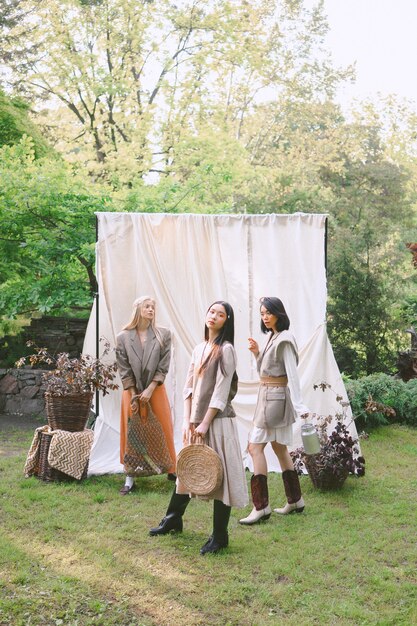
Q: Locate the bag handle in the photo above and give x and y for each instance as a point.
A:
(143, 408)
(197, 439)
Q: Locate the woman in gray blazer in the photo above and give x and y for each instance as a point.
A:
(209, 389)
(279, 403)
(143, 352)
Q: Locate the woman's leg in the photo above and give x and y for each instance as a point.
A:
(259, 486)
(220, 537)
(173, 517)
(124, 415)
(295, 502)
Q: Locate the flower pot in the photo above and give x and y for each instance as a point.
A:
(69, 412)
(323, 477)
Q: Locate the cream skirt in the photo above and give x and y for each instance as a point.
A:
(282, 435)
(223, 437)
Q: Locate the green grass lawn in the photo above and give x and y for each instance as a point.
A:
(79, 553)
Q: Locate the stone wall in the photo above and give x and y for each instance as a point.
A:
(21, 391)
(57, 334)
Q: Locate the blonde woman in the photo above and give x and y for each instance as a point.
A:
(143, 352)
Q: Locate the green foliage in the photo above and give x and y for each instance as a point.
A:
(48, 235)
(15, 124)
(386, 391)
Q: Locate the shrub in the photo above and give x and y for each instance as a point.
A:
(381, 399)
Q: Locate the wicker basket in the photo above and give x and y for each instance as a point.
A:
(45, 471)
(322, 477)
(69, 412)
(199, 468)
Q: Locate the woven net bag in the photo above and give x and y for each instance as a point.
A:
(199, 468)
(146, 453)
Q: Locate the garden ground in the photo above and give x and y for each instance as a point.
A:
(75, 554)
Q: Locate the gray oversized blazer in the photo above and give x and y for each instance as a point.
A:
(138, 367)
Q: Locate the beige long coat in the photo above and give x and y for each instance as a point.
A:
(140, 366)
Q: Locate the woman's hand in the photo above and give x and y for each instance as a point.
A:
(146, 394)
(185, 431)
(202, 428)
(253, 346)
(134, 405)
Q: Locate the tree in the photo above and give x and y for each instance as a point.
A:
(370, 210)
(47, 235)
(128, 82)
(15, 123)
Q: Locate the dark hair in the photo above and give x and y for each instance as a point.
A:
(226, 334)
(275, 306)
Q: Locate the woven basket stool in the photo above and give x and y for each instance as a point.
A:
(45, 471)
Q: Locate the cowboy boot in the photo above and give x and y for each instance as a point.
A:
(295, 502)
(220, 537)
(261, 509)
(172, 522)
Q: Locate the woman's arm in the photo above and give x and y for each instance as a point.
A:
(290, 363)
(188, 396)
(126, 374)
(161, 370)
(221, 389)
(164, 358)
(123, 365)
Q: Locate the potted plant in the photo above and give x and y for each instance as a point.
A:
(339, 453)
(70, 384)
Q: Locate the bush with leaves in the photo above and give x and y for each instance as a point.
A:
(380, 399)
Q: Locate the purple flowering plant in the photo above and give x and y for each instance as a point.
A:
(339, 451)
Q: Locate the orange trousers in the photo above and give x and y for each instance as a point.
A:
(160, 406)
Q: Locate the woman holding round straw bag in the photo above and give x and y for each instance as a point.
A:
(209, 389)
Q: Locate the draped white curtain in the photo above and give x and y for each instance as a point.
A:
(188, 261)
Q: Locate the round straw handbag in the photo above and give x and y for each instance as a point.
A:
(199, 468)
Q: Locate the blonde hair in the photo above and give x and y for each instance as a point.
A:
(137, 316)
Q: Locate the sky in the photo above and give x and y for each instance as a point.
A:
(381, 36)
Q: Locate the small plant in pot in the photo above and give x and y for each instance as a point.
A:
(339, 453)
(70, 384)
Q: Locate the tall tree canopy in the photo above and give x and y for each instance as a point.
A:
(132, 79)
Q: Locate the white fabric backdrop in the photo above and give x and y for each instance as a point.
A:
(188, 261)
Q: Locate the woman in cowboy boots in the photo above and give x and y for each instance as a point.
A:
(210, 387)
(279, 403)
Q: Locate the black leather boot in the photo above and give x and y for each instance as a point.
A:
(172, 522)
(220, 537)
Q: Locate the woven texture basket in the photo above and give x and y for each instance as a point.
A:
(45, 471)
(69, 412)
(199, 469)
(321, 476)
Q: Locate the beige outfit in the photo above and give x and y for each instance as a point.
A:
(213, 389)
(278, 358)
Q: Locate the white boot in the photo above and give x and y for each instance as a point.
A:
(297, 507)
(256, 516)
